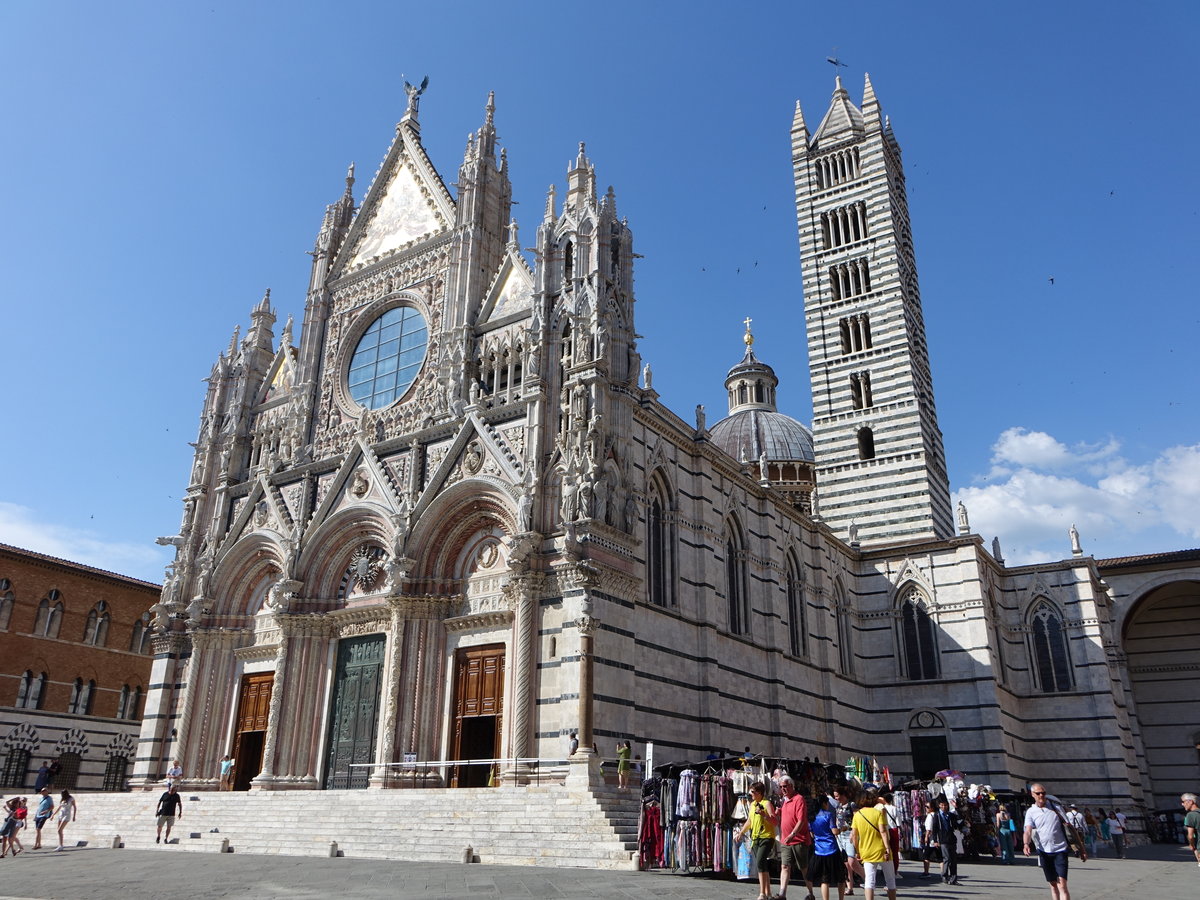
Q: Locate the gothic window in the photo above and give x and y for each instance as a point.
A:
(123, 702)
(860, 390)
(49, 615)
(6, 603)
(114, 773)
(844, 225)
(139, 640)
(866, 444)
(845, 633)
(16, 768)
(29, 690)
(388, 357)
(797, 631)
(81, 697)
(135, 704)
(837, 168)
(95, 632)
(568, 265)
(735, 582)
(849, 279)
(918, 636)
(855, 333)
(68, 772)
(660, 550)
(1052, 662)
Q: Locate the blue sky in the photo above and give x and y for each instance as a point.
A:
(166, 163)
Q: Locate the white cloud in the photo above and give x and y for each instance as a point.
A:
(20, 528)
(1039, 487)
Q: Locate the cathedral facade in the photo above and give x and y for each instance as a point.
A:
(453, 520)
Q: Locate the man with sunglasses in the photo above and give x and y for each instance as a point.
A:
(1053, 849)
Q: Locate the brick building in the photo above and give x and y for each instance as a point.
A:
(74, 669)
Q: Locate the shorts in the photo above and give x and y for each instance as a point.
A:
(885, 868)
(39, 821)
(846, 843)
(794, 856)
(760, 851)
(1054, 865)
(829, 869)
(169, 821)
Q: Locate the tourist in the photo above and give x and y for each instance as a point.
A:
(43, 777)
(572, 743)
(20, 812)
(946, 824)
(928, 842)
(1092, 832)
(843, 798)
(1005, 828)
(55, 768)
(40, 816)
(67, 812)
(175, 773)
(825, 865)
(795, 840)
(9, 828)
(623, 753)
(761, 826)
(170, 805)
(1075, 819)
(872, 844)
(1191, 823)
(1116, 830)
(893, 823)
(1053, 850)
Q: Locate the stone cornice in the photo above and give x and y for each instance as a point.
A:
(494, 619)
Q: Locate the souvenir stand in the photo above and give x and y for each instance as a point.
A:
(690, 811)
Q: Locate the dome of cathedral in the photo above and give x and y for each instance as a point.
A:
(754, 427)
(753, 432)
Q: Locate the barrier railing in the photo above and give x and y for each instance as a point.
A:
(446, 773)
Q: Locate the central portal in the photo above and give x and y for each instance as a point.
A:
(478, 711)
(354, 714)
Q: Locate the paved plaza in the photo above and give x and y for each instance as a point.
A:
(1159, 872)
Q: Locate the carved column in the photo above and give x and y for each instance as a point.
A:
(587, 628)
(522, 591)
(386, 738)
(278, 686)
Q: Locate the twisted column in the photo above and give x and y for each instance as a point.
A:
(386, 737)
(267, 774)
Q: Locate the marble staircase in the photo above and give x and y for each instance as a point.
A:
(549, 824)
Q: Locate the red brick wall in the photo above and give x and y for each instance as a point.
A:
(31, 577)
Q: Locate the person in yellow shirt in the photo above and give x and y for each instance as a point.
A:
(869, 831)
(761, 826)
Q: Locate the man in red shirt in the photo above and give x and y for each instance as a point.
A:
(794, 837)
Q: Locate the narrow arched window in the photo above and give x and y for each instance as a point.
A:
(735, 584)
(866, 444)
(6, 604)
(917, 631)
(123, 703)
(30, 690)
(1052, 662)
(568, 264)
(797, 632)
(75, 705)
(135, 639)
(135, 704)
(845, 631)
(660, 578)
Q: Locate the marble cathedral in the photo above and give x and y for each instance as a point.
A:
(455, 522)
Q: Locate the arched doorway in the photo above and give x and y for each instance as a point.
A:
(1162, 649)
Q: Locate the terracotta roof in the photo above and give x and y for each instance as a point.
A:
(1148, 559)
(79, 567)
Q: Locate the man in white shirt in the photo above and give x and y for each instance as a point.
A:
(1075, 818)
(1053, 850)
(174, 774)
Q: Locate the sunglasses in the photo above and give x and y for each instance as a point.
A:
(1038, 793)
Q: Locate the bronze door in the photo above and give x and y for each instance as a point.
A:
(478, 711)
(354, 713)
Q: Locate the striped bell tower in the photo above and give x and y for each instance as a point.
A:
(881, 467)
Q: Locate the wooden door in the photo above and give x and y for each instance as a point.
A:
(478, 711)
(250, 727)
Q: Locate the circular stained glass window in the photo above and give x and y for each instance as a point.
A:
(388, 357)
